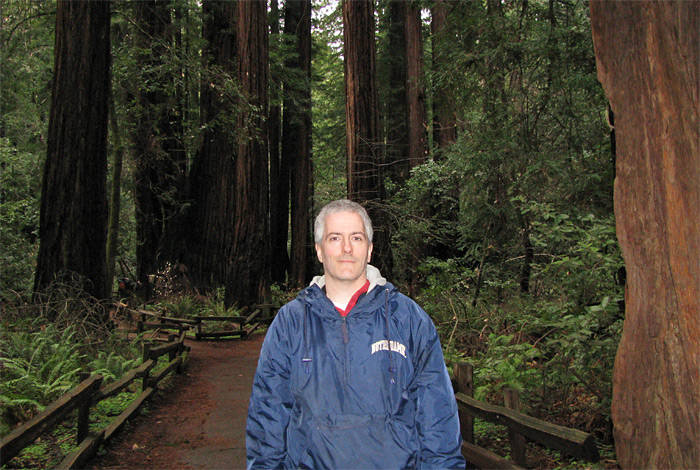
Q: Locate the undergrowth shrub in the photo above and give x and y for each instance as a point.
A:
(45, 346)
(554, 343)
(37, 367)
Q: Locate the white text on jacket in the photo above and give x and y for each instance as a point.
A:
(385, 345)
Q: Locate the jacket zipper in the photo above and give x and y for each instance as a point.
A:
(346, 340)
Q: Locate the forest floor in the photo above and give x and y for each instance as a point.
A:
(198, 422)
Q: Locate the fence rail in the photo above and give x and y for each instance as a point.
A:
(245, 323)
(520, 426)
(89, 392)
(86, 395)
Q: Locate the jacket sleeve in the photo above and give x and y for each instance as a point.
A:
(437, 420)
(270, 401)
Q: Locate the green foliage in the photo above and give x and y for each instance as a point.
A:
(505, 365)
(37, 367)
(116, 360)
(182, 306)
(328, 101)
(26, 55)
(19, 217)
(42, 360)
(555, 343)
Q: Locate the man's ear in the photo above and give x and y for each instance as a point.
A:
(369, 252)
(319, 253)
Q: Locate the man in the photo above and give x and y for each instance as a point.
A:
(351, 373)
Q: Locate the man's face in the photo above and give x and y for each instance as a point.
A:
(344, 249)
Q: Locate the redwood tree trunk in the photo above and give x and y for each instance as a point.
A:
(73, 217)
(444, 118)
(279, 166)
(248, 275)
(648, 55)
(362, 126)
(397, 166)
(212, 186)
(415, 89)
(297, 142)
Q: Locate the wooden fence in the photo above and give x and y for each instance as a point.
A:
(245, 324)
(89, 392)
(520, 426)
(86, 395)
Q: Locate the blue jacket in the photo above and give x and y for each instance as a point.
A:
(369, 390)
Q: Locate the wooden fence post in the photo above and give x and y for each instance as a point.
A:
(517, 441)
(173, 353)
(464, 373)
(146, 375)
(83, 413)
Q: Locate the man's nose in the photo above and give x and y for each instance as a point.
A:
(347, 247)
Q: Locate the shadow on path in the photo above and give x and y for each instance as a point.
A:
(199, 421)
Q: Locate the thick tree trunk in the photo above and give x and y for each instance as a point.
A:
(212, 186)
(362, 126)
(73, 217)
(648, 55)
(248, 275)
(297, 142)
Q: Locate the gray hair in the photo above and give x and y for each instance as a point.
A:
(341, 205)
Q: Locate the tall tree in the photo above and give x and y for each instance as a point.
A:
(73, 218)
(444, 119)
(296, 138)
(415, 89)
(362, 126)
(157, 140)
(248, 274)
(279, 160)
(211, 184)
(648, 55)
(394, 101)
(114, 193)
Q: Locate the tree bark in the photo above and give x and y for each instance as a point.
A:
(396, 152)
(279, 166)
(362, 126)
(73, 213)
(415, 89)
(297, 141)
(444, 117)
(114, 194)
(211, 183)
(248, 275)
(647, 55)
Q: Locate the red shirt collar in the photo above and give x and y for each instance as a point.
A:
(354, 299)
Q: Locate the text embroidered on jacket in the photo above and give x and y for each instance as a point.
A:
(385, 345)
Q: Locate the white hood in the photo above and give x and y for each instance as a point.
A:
(373, 274)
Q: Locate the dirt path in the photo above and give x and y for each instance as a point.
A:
(199, 422)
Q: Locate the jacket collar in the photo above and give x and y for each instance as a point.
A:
(373, 274)
(314, 293)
